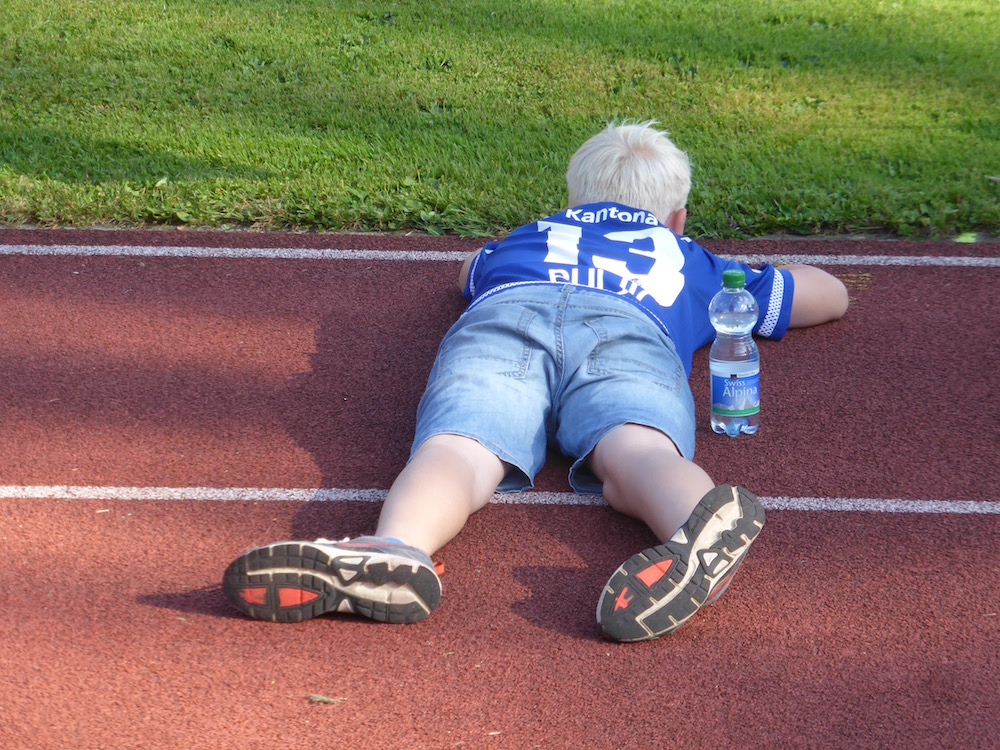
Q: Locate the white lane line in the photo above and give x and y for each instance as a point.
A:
(268, 253)
(280, 494)
(274, 253)
(869, 260)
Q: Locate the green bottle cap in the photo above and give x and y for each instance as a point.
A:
(734, 279)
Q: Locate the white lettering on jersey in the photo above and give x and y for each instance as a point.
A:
(663, 281)
(596, 217)
(563, 242)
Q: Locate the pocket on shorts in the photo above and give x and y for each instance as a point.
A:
(489, 342)
(636, 348)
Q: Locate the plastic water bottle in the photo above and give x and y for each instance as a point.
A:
(733, 360)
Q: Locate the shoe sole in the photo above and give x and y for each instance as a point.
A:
(296, 581)
(657, 590)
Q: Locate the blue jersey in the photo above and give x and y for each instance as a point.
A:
(624, 251)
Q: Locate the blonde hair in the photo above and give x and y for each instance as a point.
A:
(634, 164)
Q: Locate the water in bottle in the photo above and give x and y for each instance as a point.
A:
(734, 361)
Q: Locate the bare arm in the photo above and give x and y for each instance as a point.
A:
(463, 274)
(819, 297)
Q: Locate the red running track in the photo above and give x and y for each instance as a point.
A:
(140, 376)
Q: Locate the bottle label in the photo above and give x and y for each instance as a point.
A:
(735, 394)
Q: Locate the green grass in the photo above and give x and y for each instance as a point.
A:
(802, 117)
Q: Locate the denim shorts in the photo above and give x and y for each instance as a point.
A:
(541, 363)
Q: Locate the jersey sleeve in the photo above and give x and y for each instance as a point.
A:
(773, 289)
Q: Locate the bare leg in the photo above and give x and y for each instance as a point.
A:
(646, 477)
(449, 478)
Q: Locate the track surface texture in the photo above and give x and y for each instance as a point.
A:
(171, 398)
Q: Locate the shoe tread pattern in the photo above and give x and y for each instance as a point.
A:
(659, 609)
(341, 581)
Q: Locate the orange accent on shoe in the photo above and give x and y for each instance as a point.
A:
(654, 572)
(719, 588)
(621, 602)
(255, 595)
(293, 597)
(439, 568)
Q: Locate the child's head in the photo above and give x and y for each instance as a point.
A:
(634, 164)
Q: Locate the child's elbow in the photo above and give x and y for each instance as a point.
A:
(833, 303)
(819, 297)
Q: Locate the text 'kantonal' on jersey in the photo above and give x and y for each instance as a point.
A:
(627, 252)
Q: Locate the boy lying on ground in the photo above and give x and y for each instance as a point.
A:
(580, 332)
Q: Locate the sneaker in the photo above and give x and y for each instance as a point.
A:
(369, 576)
(655, 591)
